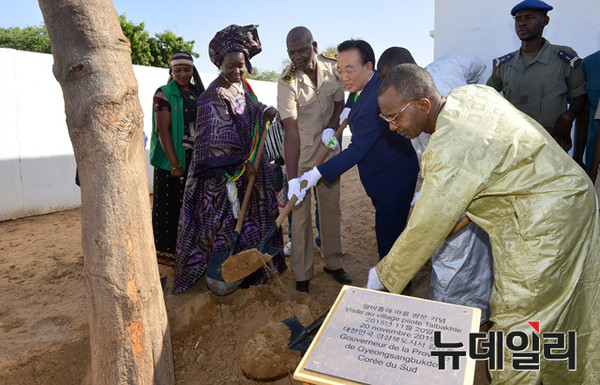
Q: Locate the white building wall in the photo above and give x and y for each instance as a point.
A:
(485, 28)
(37, 166)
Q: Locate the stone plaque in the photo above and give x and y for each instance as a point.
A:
(374, 337)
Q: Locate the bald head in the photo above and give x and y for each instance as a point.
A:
(409, 90)
(302, 50)
(299, 35)
(410, 81)
(390, 58)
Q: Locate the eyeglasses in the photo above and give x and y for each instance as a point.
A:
(393, 119)
(348, 72)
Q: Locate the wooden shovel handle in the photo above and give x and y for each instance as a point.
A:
(251, 179)
(322, 157)
(283, 213)
(461, 224)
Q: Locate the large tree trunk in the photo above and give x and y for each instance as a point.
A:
(129, 334)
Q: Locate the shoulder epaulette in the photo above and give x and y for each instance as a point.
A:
(573, 61)
(289, 75)
(329, 55)
(502, 59)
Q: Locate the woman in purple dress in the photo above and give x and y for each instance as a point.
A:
(229, 120)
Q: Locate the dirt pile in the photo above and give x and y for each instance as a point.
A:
(43, 314)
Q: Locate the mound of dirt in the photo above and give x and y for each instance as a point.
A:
(216, 340)
(266, 357)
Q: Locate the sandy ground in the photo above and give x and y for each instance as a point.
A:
(43, 317)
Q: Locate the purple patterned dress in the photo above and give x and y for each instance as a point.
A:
(223, 140)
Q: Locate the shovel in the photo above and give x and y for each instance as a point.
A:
(214, 279)
(461, 224)
(243, 264)
(302, 336)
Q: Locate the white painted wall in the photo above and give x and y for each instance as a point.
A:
(485, 28)
(37, 166)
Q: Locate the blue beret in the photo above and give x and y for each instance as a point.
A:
(531, 4)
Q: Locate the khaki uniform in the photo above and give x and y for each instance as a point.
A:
(540, 89)
(312, 107)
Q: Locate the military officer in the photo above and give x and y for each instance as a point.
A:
(310, 98)
(540, 78)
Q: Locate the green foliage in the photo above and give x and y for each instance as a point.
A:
(165, 44)
(153, 51)
(139, 41)
(145, 50)
(285, 63)
(33, 39)
(331, 49)
(265, 75)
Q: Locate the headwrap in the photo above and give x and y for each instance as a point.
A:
(235, 38)
(182, 58)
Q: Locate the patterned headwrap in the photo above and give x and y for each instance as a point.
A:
(235, 38)
(182, 58)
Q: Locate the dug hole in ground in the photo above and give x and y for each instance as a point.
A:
(43, 313)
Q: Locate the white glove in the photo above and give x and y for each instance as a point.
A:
(328, 138)
(294, 189)
(374, 283)
(311, 177)
(414, 201)
(344, 114)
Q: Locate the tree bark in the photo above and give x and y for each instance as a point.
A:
(129, 334)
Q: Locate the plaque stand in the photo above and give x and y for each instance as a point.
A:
(379, 338)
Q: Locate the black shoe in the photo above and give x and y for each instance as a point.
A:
(302, 286)
(339, 275)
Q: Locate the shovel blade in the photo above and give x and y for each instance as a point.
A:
(270, 250)
(214, 277)
(302, 337)
(241, 265)
(301, 344)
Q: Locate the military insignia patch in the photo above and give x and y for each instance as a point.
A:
(289, 75)
(502, 59)
(573, 61)
(328, 55)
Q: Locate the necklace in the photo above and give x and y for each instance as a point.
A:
(238, 86)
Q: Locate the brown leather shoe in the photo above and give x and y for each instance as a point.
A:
(339, 275)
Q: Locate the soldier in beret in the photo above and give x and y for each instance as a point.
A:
(544, 81)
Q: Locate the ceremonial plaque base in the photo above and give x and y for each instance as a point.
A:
(373, 337)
